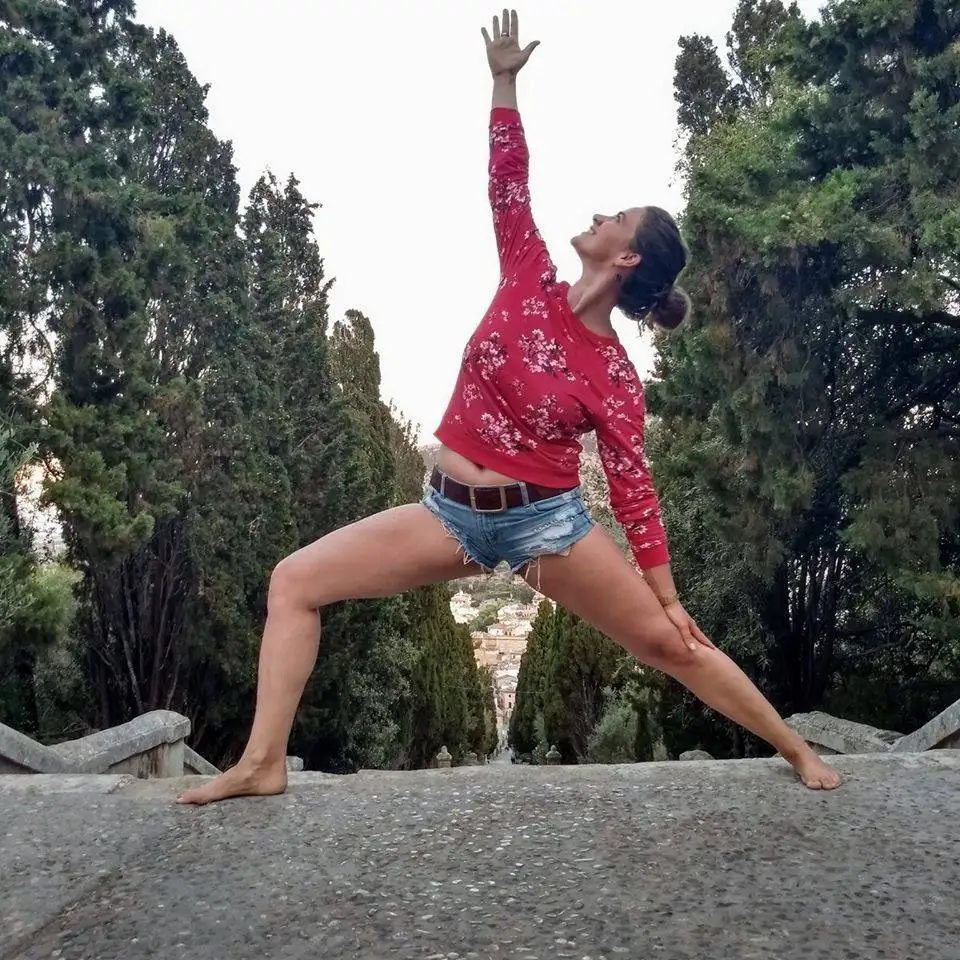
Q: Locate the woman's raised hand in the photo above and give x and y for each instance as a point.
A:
(503, 51)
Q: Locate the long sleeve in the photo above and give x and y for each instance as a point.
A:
(633, 498)
(519, 244)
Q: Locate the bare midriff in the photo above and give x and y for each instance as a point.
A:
(466, 471)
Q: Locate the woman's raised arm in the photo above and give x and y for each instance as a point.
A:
(517, 238)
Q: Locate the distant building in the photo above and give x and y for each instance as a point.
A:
(525, 612)
(462, 608)
(505, 690)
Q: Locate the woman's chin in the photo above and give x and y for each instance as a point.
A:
(581, 242)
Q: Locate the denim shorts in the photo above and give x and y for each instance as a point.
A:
(517, 535)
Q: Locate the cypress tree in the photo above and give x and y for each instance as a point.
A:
(580, 665)
(528, 701)
(807, 447)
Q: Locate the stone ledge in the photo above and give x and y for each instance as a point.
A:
(725, 859)
(101, 751)
(940, 733)
(20, 754)
(722, 773)
(56, 783)
(193, 763)
(837, 735)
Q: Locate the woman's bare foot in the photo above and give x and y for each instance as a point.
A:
(813, 772)
(243, 780)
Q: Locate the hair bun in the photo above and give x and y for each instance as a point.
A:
(672, 310)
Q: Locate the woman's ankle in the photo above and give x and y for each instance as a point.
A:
(794, 748)
(259, 758)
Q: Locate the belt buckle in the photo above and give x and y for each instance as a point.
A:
(476, 509)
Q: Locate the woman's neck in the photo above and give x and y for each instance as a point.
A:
(592, 299)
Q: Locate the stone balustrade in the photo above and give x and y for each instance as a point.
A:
(940, 733)
(151, 745)
(195, 765)
(154, 745)
(833, 735)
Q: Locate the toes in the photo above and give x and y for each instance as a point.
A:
(198, 795)
(827, 780)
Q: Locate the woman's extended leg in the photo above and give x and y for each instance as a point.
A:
(379, 556)
(597, 584)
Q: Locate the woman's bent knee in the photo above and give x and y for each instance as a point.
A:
(287, 587)
(660, 645)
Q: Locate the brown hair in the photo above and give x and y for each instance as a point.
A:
(649, 289)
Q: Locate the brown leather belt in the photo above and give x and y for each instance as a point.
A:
(490, 499)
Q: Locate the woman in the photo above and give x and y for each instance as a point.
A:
(543, 367)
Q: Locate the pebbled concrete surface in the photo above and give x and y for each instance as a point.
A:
(731, 860)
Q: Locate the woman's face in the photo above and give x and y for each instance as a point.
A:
(608, 239)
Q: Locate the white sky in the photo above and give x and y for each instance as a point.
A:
(380, 109)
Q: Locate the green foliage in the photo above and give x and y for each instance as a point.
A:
(447, 706)
(198, 417)
(567, 667)
(488, 698)
(614, 738)
(806, 435)
(15, 559)
(580, 663)
(487, 616)
(37, 626)
(538, 755)
(708, 92)
(37, 606)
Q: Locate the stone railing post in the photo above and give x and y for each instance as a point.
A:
(148, 746)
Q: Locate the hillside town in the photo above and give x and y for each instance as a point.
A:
(500, 645)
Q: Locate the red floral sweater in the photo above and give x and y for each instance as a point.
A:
(533, 378)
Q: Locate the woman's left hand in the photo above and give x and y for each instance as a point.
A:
(691, 633)
(503, 51)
